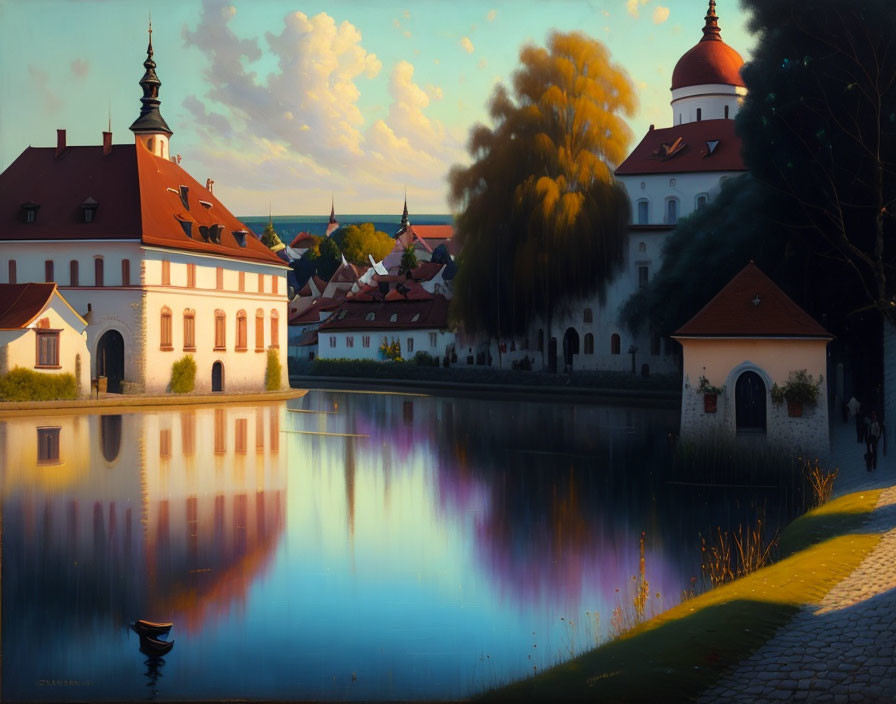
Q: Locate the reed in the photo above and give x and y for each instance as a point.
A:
(821, 482)
(632, 611)
(736, 553)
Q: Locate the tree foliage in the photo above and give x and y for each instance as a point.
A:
(269, 237)
(322, 258)
(539, 216)
(358, 241)
(408, 259)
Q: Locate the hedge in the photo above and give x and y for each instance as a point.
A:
(183, 375)
(27, 385)
(272, 372)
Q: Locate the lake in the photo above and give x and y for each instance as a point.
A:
(337, 546)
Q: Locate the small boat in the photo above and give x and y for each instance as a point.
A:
(151, 628)
(151, 646)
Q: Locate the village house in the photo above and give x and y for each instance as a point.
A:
(748, 340)
(151, 259)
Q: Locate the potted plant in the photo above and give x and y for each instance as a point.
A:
(710, 395)
(800, 389)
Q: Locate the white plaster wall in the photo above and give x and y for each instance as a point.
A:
(711, 98)
(658, 189)
(339, 349)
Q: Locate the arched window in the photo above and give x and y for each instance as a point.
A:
(73, 272)
(589, 316)
(589, 343)
(642, 211)
(699, 114)
(242, 334)
(672, 211)
(259, 330)
(393, 318)
(220, 330)
(541, 340)
(615, 344)
(98, 272)
(702, 200)
(275, 329)
(189, 330)
(165, 330)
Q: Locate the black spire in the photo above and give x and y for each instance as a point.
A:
(332, 210)
(405, 221)
(150, 119)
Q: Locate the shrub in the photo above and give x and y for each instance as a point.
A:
(183, 375)
(27, 385)
(425, 359)
(801, 387)
(272, 372)
(706, 388)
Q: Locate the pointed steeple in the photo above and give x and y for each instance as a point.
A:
(711, 31)
(332, 210)
(405, 221)
(150, 119)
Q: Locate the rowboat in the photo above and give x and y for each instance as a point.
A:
(151, 628)
(151, 646)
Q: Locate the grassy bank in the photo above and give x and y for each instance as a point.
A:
(681, 652)
(365, 369)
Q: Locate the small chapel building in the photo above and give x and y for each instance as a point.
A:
(746, 341)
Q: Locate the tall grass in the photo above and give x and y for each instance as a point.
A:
(635, 607)
(821, 481)
(736, 553)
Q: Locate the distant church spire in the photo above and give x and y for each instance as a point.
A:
(711, 31)
(405, 220)
(332, 210)
(150, 120)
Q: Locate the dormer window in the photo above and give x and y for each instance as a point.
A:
(88, 210)
(214, 233)
(393, 318)
(29, 211)
(205, 204)
(415, 317)
(711, 146)
(370, 316)
(203, 231)
(186, 222)
(184, 196)
(240, 237)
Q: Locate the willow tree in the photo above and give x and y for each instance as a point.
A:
(538, 213)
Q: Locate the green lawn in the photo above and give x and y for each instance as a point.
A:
(678, 654)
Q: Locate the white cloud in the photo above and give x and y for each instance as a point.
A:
(632, 6)
(466, 45)
(434, 92)
(660, 14)
(491, 15)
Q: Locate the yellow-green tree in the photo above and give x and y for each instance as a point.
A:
(357, 241)
(538, 212)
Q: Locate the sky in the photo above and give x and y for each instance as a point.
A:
(285, 104)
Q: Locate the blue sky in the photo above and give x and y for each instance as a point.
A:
(284, 103)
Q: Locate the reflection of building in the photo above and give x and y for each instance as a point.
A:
(183, 509)
(39, 330)
(154, 262)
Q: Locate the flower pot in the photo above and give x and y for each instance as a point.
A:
(795, 409)
(710, 403)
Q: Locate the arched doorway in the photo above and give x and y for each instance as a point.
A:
(110, 360)
(110, 437)
(749, 403)
(217, 376)
(570, 347)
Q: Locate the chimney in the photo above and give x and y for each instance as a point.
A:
(651, 128)
(209, 185)
(107, 143)
(60, 142)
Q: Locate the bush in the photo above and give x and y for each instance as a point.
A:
(425, 359)
(801, 387)
(272, 372)
(27, 385)
(183, 375)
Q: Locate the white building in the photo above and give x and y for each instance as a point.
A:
(671, 173)
(155, 264)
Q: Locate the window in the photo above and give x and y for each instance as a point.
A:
(642, 275)
(275, 329)
(275, 283)
(30, 212)
(589, 316)
(261, 283)
(47, 348)
(188, 432)
(433, 339)
(410, 344)
(672, 211)
(393, 318)
(655, 344)
(332, 340)
(189, 330)
(242, 334)
(370, 316)
(219, 278)
(259, 330)
(166, 273)
(615, 344)
(220, 330)
(242, 281)
(12, 271)
(365, 341)
(220, 432)
(165, 444)
(48, 270)
(589, 343)
(191, 276)
(541, 340)
(125, 272)
(699, 114)
(98, 272)
(165, 332)
(73, 272)
(350, 341)
(701, 201)
(47, 445)
(241, 441)
(642, 212)
(726, 112)
(415, 317)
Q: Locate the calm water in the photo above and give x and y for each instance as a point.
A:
(450, 545)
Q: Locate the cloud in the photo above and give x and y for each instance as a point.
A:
(434, 92)
(481, 64)
(41, 81)
(491, 15)
(632, 6)
(605, 13)
(660, 14)
(466, 45)
(80, 68)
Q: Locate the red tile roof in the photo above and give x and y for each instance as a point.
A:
(353, 314)
(20, 304)
(312, 313)
(734, 313)
(661, 152)
(131, 189)
(438, 232)
(303, 240)
(708, 63)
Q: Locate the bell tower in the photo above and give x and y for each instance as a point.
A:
(150, 128)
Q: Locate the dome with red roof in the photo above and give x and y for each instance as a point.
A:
(712, 61)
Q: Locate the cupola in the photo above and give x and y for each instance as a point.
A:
(150, 127)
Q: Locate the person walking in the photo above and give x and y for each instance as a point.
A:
(854, 408)
(872, 438)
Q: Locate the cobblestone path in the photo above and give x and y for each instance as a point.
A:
(844, 650)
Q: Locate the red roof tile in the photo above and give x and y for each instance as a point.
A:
(708, 63)
(303, 240)
(353, 315)
(661, 152)
(733, 313)
(20, 304)
(312, 313)
(439, 232)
